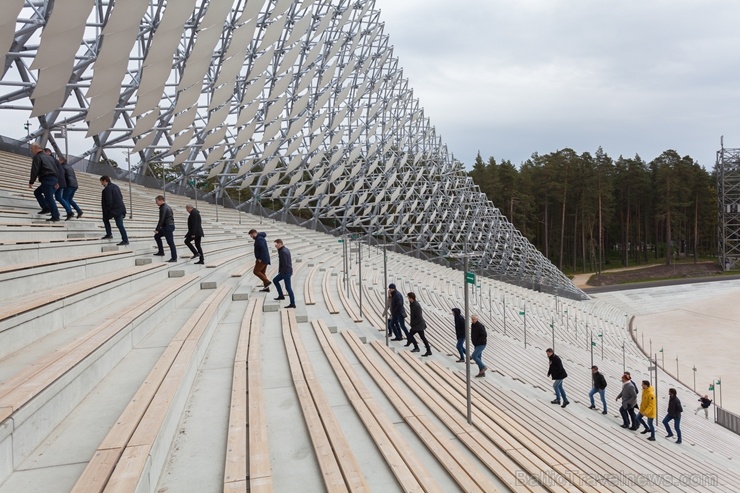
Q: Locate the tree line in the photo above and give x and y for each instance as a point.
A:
(586, 211)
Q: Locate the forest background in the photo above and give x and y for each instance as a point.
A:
(587, 212)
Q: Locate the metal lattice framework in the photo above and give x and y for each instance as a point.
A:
(298, 102)
(728, 200)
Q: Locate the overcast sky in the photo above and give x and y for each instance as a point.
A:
(509, 78)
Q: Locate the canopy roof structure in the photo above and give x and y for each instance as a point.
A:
(299, 102)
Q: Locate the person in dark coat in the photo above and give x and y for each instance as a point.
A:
(418, 325)
(165, 227)
(44, 169)
(674, 413)
(459, 333)
(262, 258)
(62, 180)
(285, 271)
(195, 233)
(479, 339)
(705, 403)
(398, 313)
(598, 386)
(558, 374)
(113, 208)
(69, 192)
(629, 401)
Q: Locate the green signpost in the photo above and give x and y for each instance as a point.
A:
(470, 278)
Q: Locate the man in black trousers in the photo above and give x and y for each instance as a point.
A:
(166, 228)
(418, 325)
(195, 233)
(113, 208)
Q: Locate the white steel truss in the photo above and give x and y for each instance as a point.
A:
(299, 102)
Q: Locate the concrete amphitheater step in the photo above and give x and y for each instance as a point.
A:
(57, 463)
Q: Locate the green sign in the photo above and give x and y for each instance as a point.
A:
(340, 241)
(191, 183)
(470, 278)
(521, 312)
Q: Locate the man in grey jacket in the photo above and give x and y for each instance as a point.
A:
(629, 401)
(165, 227)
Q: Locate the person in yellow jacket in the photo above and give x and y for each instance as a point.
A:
(648, 410)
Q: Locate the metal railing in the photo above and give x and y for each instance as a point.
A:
(727, 420)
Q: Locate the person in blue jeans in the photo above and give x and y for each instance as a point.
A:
(599, 386)
(113, 208)
(69, 191)
(165, 227)
(62, 181)
(479, 339)
(558, 374)
(459, 333)
(43, 168)
(285, 271)
(398, 314)
(674, 413)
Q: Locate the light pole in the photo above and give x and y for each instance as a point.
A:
(624, 361)
(385, 292)
(359, 266)
(694, 369)
(27, 126)
(503, 299)
(552, 329)
(524, 313)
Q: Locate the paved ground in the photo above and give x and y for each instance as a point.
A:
(698, 323)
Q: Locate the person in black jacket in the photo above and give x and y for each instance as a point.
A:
(459, 333)
(195, 233)
(113, 208)
(558, 374)
(417, 326)
(44, 168)
(705, 403)
(69, 192)
(479, 339)
(674, 413)
(598, 385)
(62, 181)
(398, 313)
(262, 258)
(165, 227)
(285, 271)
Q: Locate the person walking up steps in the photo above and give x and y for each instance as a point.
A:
(262, 258)
(558, 374)
(398, 313)
(69, 192)
(113, 208)
(459, 333)
(647, 410)
(417, 326)
(674, 413)
(479, 339)
(195, 233)
(165, 227)
(629, 401)
(44, 168)
(705, 403)
(599, 386)
(285, 271)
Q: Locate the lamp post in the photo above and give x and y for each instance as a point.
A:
(27, 126)
(385, 292)
(694, 370)
(524, 314)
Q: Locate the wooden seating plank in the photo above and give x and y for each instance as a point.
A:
(26, 384)
(449, 455)
(330, 305)
(412, 475)
(24, 304)
(345, 302)
(330, 469)
(260, 468)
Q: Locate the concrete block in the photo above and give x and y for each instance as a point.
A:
(333, 329)
(334, 274)
(311, 264)
(322, 269)
(75, 235)
(176, 273)
(270, 307)
(301, 317)
(111, 248)
(239, 296)
(208, 285)
(363, 339)
(144, 261)
(299, 260)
